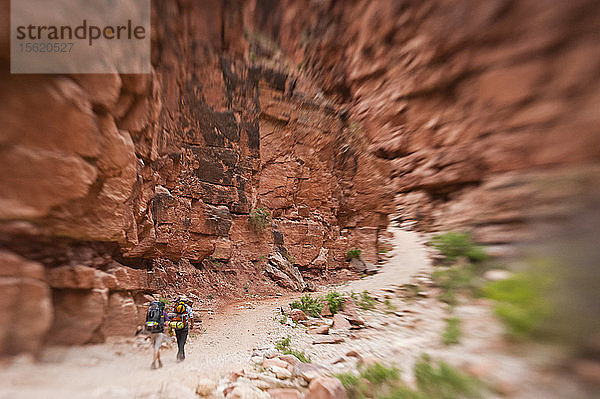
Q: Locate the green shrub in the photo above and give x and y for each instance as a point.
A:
(449, 297)
(455, 277)
(300, 355)
(444, 382)
(434, 382)
(366, 302)
(390, 308)
(452, 333)
(411, 289)
(454, 245)
(353, 253)
(284, 346)
(259, 219)
(335, 301)
(372, 382)
(378, 374)
(309, 305)
(522, 301)
(452, 280)
(348, 380)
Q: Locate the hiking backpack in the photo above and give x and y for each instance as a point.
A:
(179, 320)
(155, 318)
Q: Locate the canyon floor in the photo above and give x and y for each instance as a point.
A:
(397, 332)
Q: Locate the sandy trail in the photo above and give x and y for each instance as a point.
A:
(408, 257)
(120, 369)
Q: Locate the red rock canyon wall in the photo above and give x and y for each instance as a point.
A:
(331, 115)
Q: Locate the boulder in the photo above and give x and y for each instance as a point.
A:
(339, 321)
(281, 264)
(280, 372)
(290, 359)
(309, 371)
(280, 277)
(370, 268)
(256, 359)
(326, 388)
(270, 353)
(326, 312)
(350, 312)
(298, 315)
(318, 330)
(286, 309)
(274, 362)
(358, 266)
(223, 250)
(329, 339)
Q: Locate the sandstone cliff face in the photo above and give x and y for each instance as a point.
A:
(478, 115)
(486, 111)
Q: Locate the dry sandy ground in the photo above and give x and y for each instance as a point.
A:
(226, 340)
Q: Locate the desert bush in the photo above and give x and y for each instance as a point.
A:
(452, 280)
(522, 301)
(366, 301)
(434, 382)
(441, 381)
(283, 343)
(353, 253)
(454, 245)
(309, 305)
(259, 219)
(284, 346)
(390, 308)
(451, 334)
(372, 382)
(378, 374)
(335, 301)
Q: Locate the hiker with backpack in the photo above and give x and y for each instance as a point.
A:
(181, 320)
(156, 319)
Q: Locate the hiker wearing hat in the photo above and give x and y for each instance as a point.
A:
(181, 321)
